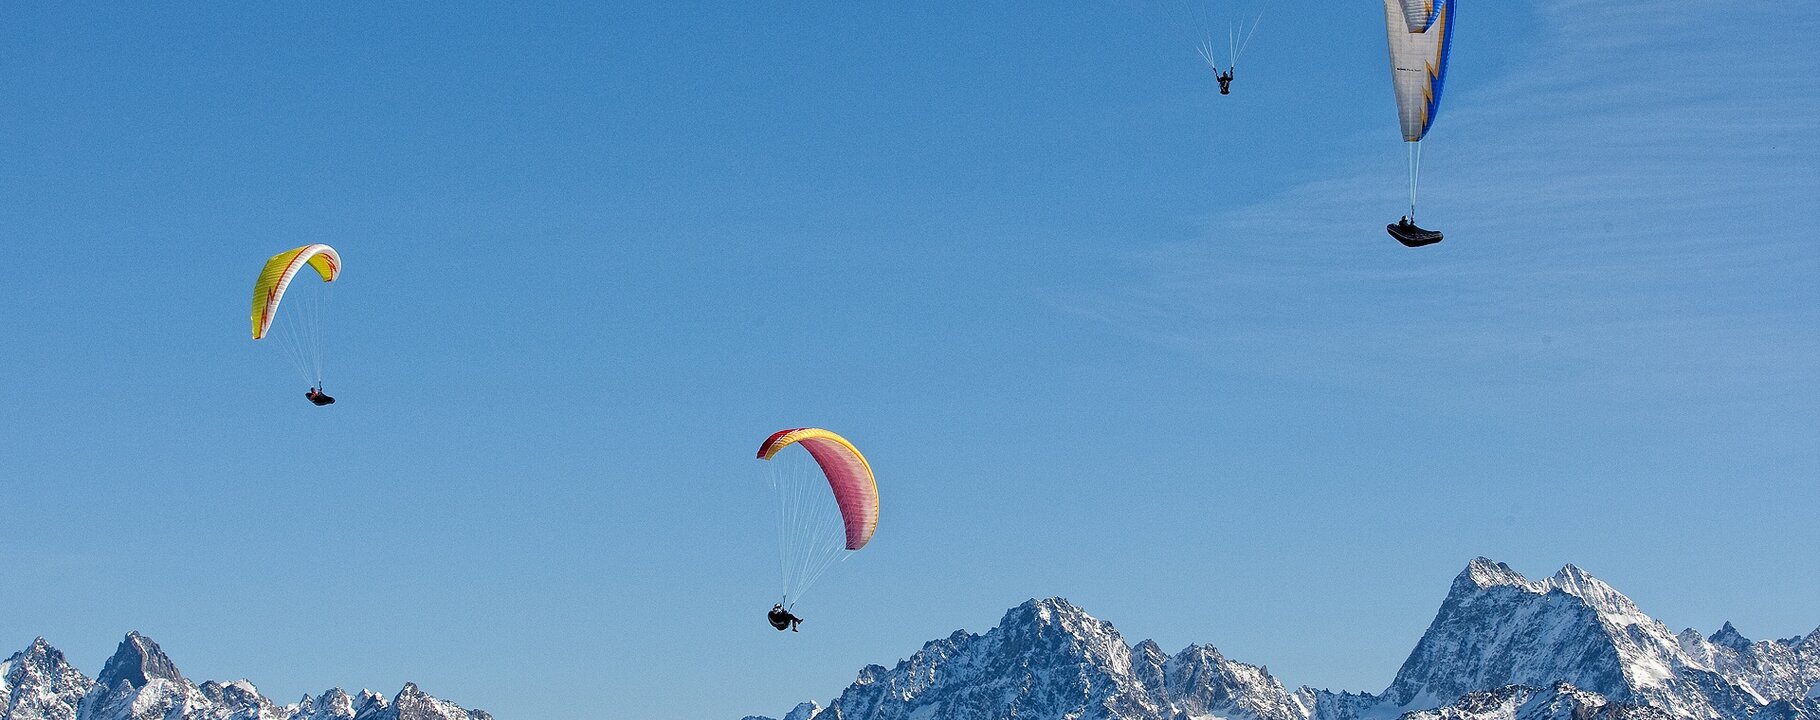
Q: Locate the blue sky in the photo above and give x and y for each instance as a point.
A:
(1103, 333)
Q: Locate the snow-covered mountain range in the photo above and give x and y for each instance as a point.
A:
(1502, 647)
(140, 683)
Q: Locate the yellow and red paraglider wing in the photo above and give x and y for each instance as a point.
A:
(277, 275)
(855, 490)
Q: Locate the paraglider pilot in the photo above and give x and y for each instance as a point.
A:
(782, 619)
(317, 396)
(1225, 79)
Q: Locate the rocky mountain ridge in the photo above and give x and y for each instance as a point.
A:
(1501, 647)
(139, 682)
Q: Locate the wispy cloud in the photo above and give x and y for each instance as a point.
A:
(1637, 205)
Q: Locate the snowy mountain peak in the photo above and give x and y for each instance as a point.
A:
(1050, 659)
(1572, 573)
(369, 704)
(38, 684)
(1503, 629)
(1201, 682)
(413, 703)
(1601, 596)
(1046, 611)
(38, 657)
(1483, 573)
(1729, 637)
(1056, 623)
(40, 649)
(1046, 658)
(138, 661)
(239, 695)
(804, 711)
(141, 683)
(1497, 628)
(1501, 647)
(335, 704)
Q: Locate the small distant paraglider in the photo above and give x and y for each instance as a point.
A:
(1237, 37)
(300, 327)
(825, 513)
(1421, 35)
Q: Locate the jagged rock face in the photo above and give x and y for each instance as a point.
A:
(140, 683)
(804, 711)
(1492, 630)
(415, 704)
(1046, 659)
(1789, 710)
(1502, 647)
(1327, 705)
(38, 684)
(138, 662)
(370, 705)
(239, 700)
(1149, 665)
(1765, 669)
(332, 705)
(1560, 702)
(1498, 628)
(1049, 659)
(1200, 682)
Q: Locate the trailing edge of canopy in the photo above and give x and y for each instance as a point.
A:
(269, 289)
(849, 476)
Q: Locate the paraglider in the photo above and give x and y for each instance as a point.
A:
(783, 619)
(1421, 34)
(1236, 40)
(300, 327)
(1406, 232)
(826, 511)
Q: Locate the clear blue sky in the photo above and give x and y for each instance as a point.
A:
(1103, 333)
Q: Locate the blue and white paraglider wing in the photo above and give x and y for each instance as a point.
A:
(1421, 36)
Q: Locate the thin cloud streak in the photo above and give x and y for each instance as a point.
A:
(1630, 209)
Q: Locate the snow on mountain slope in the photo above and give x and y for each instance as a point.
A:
(1571, 626)
(1049, 659)
(139, 682)
(332, 705)
(1045, 659)
(1501, 647)
(804, 711)
(1200, 682)
(414, 704)
(1767, 669)
(37, 684)
(1559, 702)
(1498, 628)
